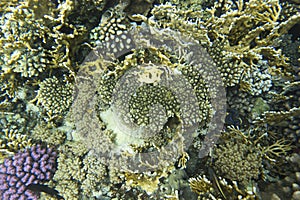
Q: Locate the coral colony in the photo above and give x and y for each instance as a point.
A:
(32, 166)
(149, 99)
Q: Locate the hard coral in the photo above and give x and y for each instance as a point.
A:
(13, 141)
(237, 159)
(237, 34)
(21, 32)
(145, 101)
(55, 96)
(32, 166)
(144, 93)
(113, 27)
(48, 133)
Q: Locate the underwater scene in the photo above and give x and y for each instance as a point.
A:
(149, 99)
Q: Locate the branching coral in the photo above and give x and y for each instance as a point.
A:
(275, 117)
(201, 185)
(219, 188)
(96, 173)
(247, 151)
(149, 102)
(14, 141)
(20, 30)
(148, 84)
(79, 174)
(48, 133)
(276, 150)
(70, 169)
(236, 34)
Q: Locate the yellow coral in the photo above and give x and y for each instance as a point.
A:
(201, 185)
(146, 181)
(276, 117)
(14, 141)
(48, 133)
(278, 149)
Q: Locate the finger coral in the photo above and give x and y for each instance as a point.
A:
(14, 141)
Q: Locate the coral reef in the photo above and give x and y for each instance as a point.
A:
(287, 187)
(200, 185)
(273, 117)
(243, 42)
(69, 170)
(78, 174)
(132, 95)
(152, 98)
(20, 30)
(289, 48)
(96, 173)
(147, 95)
(32, 166)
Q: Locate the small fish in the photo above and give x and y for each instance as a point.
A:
(46, 189)
(233, 118)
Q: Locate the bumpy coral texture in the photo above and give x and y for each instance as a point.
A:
(32, 166)
(238, 161)
(55, 96)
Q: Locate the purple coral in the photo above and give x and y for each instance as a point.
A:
(32, 166)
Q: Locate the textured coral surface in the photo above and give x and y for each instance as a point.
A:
(149, 99)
